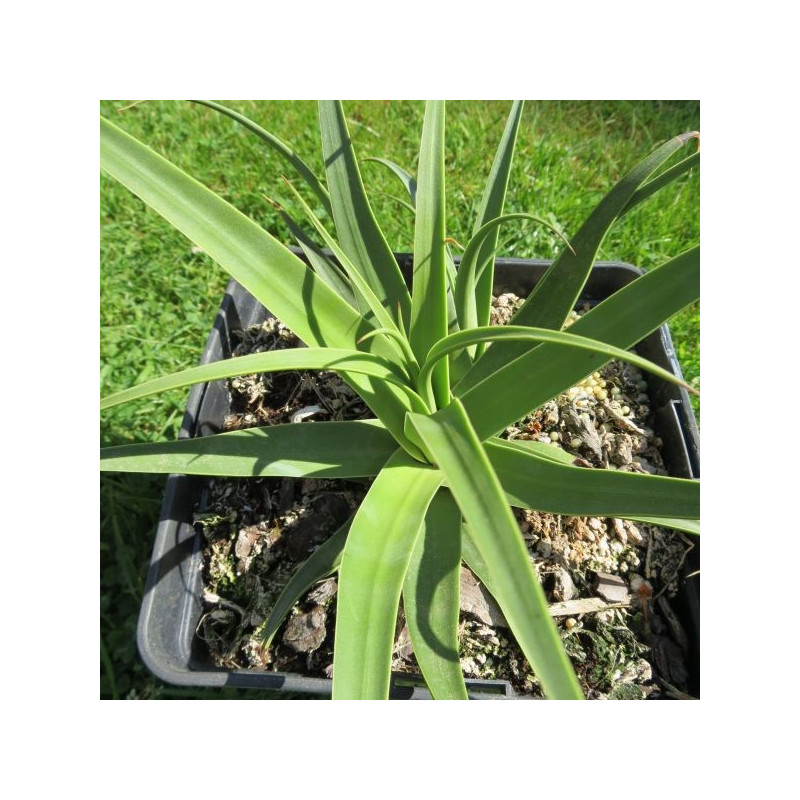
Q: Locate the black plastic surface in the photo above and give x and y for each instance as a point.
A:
(172, 605)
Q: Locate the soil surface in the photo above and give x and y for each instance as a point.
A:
(610, 582)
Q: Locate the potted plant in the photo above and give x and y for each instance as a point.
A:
(441, 382)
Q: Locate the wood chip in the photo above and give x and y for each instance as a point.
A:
(248, 544)
(584, 605)
(402, 646)
(323, 592)
(585, 431)
(620, 449)
(611, 587)
(477, 601)
(305, 413)
(623, 421)
(564, 588)
(634, 534)
(619, 529)
(306, 632)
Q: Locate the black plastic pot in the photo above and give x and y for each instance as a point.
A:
(173, 603)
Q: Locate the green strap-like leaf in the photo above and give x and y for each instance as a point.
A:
(367, 299)
(471, 555)
(300, 450)
(357, 230)
(492, 202)
(460, 362)
(280, 147)
(399, 200)
(322, 265)
(270, 272)
(493, 333)
(429, 288)
(541, 449)
(406, 178)
(531, 481)
(410, 184)
(557, 292)
(371, 575)
(551, 453)
(267, 269)
(476, 260)
(431, 599)
(555, 295)
(324, 561)
(661, 180)
(410, 363)
(622, 320)
(294, 358)
(458, 453)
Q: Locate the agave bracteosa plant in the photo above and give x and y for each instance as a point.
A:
(441, 382)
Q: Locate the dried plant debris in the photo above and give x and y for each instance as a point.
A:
(279, 397)
(257, 532)
(608, 581)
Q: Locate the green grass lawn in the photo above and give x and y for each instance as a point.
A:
(158, 297)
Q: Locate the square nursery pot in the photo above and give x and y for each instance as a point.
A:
(173, 602)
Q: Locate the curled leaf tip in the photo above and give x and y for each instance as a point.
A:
(369, 335)
(130, 105)
(685, 137)
(451, 240)
(274, 203)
